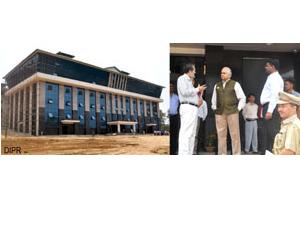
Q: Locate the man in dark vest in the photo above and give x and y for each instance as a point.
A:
(227, 101)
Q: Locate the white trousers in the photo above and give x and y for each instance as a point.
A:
(251, 135)
(188, 125)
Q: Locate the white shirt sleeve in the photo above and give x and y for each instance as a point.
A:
(214, 99)
(185, 89)
(244, 113)
(204, 110)
(240, 96)
(276, 86)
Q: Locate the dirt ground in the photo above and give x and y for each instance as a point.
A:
(86, 145)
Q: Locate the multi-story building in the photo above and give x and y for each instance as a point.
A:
(56, 94)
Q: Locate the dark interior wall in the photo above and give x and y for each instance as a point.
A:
(177, 63)
(216, 57)
(234, 59)
(297, 71)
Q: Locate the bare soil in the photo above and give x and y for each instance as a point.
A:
(86, 145)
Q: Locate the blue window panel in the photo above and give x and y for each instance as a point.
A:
(92, 120)
(142, 87)
(68, 102)
(154, 109)
(121, 105)
(51, 103)
(142, 107)
(81, 108)
(135, 112)
(148, 109)
(109, 113)
(128, 110)
(102, 110)
(116, 103)
(114, 117)
(70, 69)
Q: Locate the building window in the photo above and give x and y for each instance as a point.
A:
(80, 105)
(67, 90)
(50, 101)
(49, 87)
(79, 92)
(81, 117)
(103, 118)
(50, 115)
(68, 103)
(91, 94)
(68, 116)
(93, 117)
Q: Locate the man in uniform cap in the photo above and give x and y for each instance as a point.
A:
(287, 141)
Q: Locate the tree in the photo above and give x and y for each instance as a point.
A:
(164, 121)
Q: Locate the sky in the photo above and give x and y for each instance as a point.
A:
(94, 33)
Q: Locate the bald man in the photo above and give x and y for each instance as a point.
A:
(227, 101)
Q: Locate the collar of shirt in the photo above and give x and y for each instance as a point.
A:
(274, 74)
(289, 120)
(225, 82)
(187, 77)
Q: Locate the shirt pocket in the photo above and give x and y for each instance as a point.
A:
(280, 139)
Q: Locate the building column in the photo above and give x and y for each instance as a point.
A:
(74, 99)
(151, 109)
(108, 108)
(9, 111)
(158, 113)
(37, 108)
(125, 84)
(124, 105)
(119, 128)
(138, 107)
(19, 113)
(109, 80)
(30, 110)
(134, 129)
(98, 108)
(24, 110)
(87, 111)
(119, 105)
(41, 107)
(131, 106)
(113, 104)
(145, 108)
(13, 111)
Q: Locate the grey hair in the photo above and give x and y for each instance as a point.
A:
(229, 69)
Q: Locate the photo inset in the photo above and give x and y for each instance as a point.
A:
(234, 98)
(55, 104)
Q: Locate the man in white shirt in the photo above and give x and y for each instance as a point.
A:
(268, 99)
(202, 113)
(250, 116)
(228, 100)
(189, 102)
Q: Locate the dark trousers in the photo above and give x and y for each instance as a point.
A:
(269, 129)
(174, 133)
